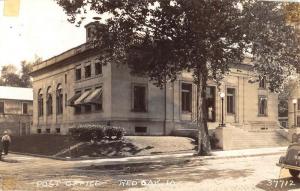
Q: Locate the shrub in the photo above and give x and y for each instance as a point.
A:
(120, 132)
(214, 141)
(88, 132)
(110, 132)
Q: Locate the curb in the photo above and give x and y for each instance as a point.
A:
(169, 159)
(148, 159)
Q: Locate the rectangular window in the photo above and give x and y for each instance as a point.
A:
(78, 74)
(57, 130)
(186, 97)
(87, 107)
(1, 107)
(39, 131)
(298, 121)
(66, 79)
(87, 70)
(98, 106)
(140, 129)
(47, 130)
(77, 107)
(66, 100)
(230, 100)
(262, 105)
(98, 68)
(298, 104)
(262, 82)
(139, 98)
(25, 108)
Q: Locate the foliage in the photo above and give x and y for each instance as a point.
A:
(11, 77)
(88, 132)
(162, 38)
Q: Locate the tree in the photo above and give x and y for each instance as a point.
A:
(162, 38)
(11, 77)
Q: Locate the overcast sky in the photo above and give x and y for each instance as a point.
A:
(40, 29)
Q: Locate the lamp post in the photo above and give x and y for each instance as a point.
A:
(295, 115)
(222, 95)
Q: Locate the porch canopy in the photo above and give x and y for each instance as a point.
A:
(71, 101)
(95, 97)
(80, 100)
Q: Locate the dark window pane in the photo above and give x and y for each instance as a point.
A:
(186, 97)
(98, 68)
(1, 107)
(140, 129)
(139, 98)
(231, 100)
(78, 74)
(87, 70)
(262, 82)
(25, 108)
(262, 106)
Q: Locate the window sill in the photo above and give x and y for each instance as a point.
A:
(231, 114)
(139, 111)
(259, 115)
(186, 112)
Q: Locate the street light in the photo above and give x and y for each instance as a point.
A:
(295, 118)
(222, 95)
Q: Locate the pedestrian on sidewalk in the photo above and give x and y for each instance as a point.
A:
(5, 142)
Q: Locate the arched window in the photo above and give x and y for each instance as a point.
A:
(49, 101)
(40, 103)
(59, 99)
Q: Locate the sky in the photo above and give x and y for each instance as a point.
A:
(41, 29)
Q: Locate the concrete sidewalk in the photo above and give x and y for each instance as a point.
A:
(174, 157)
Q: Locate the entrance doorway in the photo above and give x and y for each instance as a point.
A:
(211, 103)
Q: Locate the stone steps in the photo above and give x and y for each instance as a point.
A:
(247, 139)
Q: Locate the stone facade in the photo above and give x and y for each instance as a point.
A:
(135, 103)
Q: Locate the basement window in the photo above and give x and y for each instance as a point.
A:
(39, 131)
(140, 129)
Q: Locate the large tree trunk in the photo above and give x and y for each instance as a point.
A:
(204, 147)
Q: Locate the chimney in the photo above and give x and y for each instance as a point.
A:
(93, 29)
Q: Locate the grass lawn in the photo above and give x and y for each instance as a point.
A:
(40, 144)
(53, 145)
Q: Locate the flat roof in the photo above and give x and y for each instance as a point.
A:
(16, 93)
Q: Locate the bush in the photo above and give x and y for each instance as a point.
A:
(214, 141)
(88, 132)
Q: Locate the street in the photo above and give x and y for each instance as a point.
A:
(244, 173)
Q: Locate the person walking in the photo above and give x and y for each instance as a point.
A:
(5, 142)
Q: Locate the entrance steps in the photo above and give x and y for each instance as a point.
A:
(252, 135)
(242, 139)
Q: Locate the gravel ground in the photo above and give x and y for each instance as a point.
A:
(240, 174)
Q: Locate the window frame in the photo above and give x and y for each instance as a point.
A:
(40, 103)
(87, 105)
(49, 105)
(77, 76)
(24, 103)
(231, 111)
(262, 82)
(190, 95)
(2, 103)
(96, 109)
(133, 106)
(265, 108)
(85, 71)
(77, 109)
(59, 100)
(101, 69)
